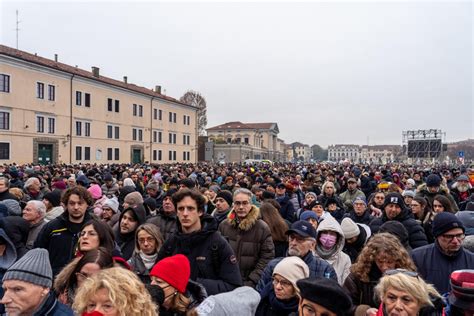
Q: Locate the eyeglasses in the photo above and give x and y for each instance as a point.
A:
(450, 237)
(403, 271)
(380, 197)
(283, 283)
(148, 240)
(90, 233)
(243, 203)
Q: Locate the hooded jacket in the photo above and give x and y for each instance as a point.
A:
(339, 260)
(252, 243)
(60, 237)
(422, 191)
(17, 229)
(417, 237)
(126, 242)
(213, 263)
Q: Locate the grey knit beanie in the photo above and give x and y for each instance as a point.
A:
(13, 206)
(33, 267)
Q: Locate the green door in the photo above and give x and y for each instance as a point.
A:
(45, 154)
(137, 156)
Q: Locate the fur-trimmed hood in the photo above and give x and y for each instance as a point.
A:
(248, 222)
(424, 188)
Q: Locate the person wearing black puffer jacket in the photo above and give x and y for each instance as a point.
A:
(130, 219)
(60, 235)
(213, 262)
(394, 209)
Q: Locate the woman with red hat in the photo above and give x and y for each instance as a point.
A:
(180, 294)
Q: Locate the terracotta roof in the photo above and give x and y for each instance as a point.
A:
(5, 50)
(240, 125)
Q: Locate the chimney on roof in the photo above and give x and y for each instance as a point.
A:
(95, 71)
(125, 79)
(56, 57)
(158, 89)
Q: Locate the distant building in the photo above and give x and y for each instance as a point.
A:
(344, 152)
(298, 152)
(379, 153)
(51, 112)
(237, 141)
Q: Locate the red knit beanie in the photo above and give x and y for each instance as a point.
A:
(174, 270)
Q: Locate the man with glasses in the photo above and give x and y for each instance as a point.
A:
(301, 243)
(435, 262)
(249, 237)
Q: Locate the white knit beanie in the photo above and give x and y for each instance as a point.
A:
(349, 228)
(293, 269)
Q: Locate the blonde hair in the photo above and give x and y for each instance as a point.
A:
(126, 292)
(17, 192)
(415, 286)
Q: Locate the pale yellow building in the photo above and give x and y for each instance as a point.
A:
(237, 141)
(298, 152)
(51, 112)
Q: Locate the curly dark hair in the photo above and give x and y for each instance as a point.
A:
(193, 194)
(381, 243)
(81, 192)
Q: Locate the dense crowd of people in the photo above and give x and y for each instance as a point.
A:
(264, 239)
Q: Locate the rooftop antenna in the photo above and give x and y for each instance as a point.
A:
(17, 29)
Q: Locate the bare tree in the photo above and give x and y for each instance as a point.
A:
(195, 99)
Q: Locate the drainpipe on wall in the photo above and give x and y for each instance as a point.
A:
(197, 137)
(70, 123)
(151, 129)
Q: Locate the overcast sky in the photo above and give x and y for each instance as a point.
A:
(326, 72)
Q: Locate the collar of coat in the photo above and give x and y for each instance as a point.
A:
(248, 222)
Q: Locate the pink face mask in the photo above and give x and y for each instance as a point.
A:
(327, 241)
